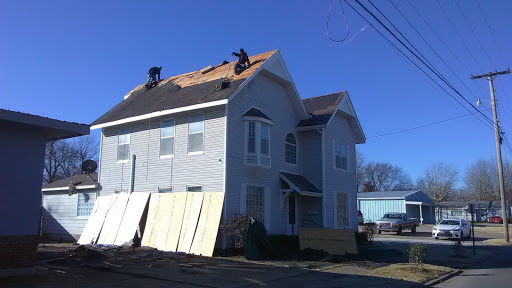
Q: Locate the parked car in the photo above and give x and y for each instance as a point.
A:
(360, 219)
(498, 219)
(397, 222)
(452, 228)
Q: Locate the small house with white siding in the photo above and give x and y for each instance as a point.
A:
(287, 161)
(416, 204)
(67, 204)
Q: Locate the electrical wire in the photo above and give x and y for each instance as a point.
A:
(355, 35)
(346, 23)
(423, 62)
(492, 34)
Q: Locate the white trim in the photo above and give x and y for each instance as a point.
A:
(259, 119)
(188, 133)
(195, 153)
(324, 192)
(161, 113)
(55, 189)
(296, 149)
(81, 187)
(86, 187)
(160, 140)
(419, 203)
(386, 198)
(306, 128)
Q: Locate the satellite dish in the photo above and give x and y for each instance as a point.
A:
(89, 166)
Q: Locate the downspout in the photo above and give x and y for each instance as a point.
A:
(132, 174)
(324, 193)
(99, 165)
(224, 246)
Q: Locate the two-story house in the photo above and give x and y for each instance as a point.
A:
(277, 157)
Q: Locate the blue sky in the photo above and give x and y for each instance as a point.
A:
(75, 60)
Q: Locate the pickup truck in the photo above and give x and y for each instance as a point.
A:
(397, 222)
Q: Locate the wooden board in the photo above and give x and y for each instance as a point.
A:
(95, 222)
(332, 241)
(131, 219)
(151, 228)
(169, 233)
(190, 219)
(208, 225)
(115, 214)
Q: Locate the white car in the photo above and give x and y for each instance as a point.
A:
(452, 228)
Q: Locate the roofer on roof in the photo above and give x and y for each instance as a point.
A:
(152, 73)
(242, 59)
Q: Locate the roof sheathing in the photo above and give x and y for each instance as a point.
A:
(183, 90)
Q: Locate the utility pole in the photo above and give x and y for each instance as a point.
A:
(491, 76)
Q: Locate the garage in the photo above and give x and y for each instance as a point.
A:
(415, 204)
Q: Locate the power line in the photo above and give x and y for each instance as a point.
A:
(492, 34)
(477, 40)
(423, 62)
(421, 126)
(346, 23)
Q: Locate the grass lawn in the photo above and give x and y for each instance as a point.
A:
(498, 242)
(411, 272)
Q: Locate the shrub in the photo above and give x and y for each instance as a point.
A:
(370, 229)
(235, 230)
(458, 248)
(417, 254)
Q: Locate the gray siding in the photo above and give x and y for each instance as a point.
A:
(59, 218)
(311, 156)
(272, 99)
(151, 171)
(337, 180)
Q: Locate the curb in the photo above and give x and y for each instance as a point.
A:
(441, 279)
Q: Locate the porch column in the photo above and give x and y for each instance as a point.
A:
(421, 215)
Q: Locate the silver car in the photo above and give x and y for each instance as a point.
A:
(452, 228)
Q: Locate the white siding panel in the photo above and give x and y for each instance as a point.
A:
(337, 180)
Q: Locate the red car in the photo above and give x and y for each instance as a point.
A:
(498, 219)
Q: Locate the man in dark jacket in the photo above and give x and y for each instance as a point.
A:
(242, 59)
(152, 73)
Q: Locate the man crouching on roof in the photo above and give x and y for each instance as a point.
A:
(242, 59)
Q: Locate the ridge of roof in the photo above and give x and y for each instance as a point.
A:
(183, 90)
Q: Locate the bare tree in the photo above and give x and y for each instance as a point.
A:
(482, 180)
(438, 181)
(64, 158)
(360, 159)
(380, 176)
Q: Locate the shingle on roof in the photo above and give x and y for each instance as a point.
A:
(302, 183)
(79, 180)
(253, 112)
(321, 108)
(181, 91)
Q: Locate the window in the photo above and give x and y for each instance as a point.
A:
(342, 209)
(254, 203)
(194, 188)
(167, 138)
(258, 143)
(195, 134)
(123, 145)
(85, 204)
(340, 156)
(290, 149)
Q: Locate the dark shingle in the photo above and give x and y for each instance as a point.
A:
(301, 182)
(79, 180)
(321, 108)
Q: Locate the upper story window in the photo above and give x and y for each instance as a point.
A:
(167, 138)
(257, 138)
(194, 188)
(196, 134)
(340, 156)
(123, 145)
(290, 149)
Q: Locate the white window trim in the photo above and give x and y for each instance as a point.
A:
(296, 149)
(334, 156)
(257, 154)
(129, 143)
(188, 133)
(160, 140)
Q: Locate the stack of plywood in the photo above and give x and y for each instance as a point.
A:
(184, 221)
(114, 219)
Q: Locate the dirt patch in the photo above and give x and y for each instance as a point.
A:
(411, 272)
(497, 242)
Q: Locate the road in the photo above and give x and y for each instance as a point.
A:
(493, 272)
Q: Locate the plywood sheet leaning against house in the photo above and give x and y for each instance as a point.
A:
(131, 219)
(151, 229)
(96, 219)
(190, 219)
(114, 217)
(169, 231)
(332, 241)
(208, 225)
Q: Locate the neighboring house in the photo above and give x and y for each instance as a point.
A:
(416, 204)
(67, 204)
(483, 210)
(272, 153)
(22, 147)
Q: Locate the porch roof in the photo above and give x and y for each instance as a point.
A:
(300, 184)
